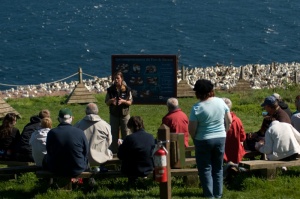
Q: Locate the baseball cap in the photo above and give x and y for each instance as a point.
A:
(277, 96)
(269, 101)
(65, 113)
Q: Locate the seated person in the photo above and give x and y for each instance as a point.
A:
(273, 111)
(177, 120)
(38, 141)
(9, 137)
(136, 151)
(98, 134)
(24, 152)
(296, 115)
(67, 148)
(282, 142)
(284, 106)
(235, 136)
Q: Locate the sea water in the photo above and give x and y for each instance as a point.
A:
(45, 41)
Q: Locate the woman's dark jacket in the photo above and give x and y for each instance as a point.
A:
(118, 110)
(136, 154)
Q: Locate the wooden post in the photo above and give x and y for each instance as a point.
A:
(242, 73)
(183, 73)
(177, 151)
(80, 75)
(163, 134)
(295, 77)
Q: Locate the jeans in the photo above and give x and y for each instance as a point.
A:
(209, 159)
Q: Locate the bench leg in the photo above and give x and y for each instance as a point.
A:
(191, 180)
(61, 183)
(268, 173)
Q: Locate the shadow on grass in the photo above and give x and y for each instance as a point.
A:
(234, 181)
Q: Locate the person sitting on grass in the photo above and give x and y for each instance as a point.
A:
(136, 151)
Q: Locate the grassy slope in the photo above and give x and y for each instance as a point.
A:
(245, 105)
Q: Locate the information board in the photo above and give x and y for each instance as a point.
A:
(152, 78)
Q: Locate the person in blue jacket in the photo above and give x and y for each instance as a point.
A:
(67, 148)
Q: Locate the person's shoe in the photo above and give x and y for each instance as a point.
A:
(283, 169)
(226, 167)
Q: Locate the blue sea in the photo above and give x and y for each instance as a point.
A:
(45, 41)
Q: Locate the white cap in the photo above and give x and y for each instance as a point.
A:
(277, 96)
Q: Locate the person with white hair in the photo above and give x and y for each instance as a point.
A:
(176, 120)
(67, 148)
(235, 136)
(98, 134)
(284, 106)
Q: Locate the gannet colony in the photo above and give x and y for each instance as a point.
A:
(224, 77)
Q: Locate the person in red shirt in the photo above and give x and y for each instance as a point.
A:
(235, 136)
(176, 120)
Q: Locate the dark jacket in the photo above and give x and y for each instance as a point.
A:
(67, 150)
(24, 149)
(285, 107)
(8, 145)
(136, 154)
(118, 110)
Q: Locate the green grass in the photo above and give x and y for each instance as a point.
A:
(245, 104)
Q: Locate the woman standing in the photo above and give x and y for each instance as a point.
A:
(207, 128)
(9, 136)
(118, 98)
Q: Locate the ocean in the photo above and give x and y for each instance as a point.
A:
(46, 41)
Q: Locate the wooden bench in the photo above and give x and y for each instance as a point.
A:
(44, 174)
(9, 163)
(180, 156)
(10, 169)
(268, 168)
(12, 172)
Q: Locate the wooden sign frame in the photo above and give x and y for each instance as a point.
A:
(152, 78)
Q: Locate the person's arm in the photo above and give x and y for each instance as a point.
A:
(193, 128)
(228, 120)
(127, 102)
(267, 146)
(109, 101)
(242, 132)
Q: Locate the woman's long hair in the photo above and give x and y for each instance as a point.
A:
(7, 124)
(119, 73)
(135, 123)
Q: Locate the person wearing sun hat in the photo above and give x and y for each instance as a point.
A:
(67, 147)
(282, 104)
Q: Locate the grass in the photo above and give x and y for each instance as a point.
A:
(245, 104)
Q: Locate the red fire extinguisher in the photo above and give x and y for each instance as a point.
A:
(160, 164)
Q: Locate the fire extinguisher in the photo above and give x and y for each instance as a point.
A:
(160, 164)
